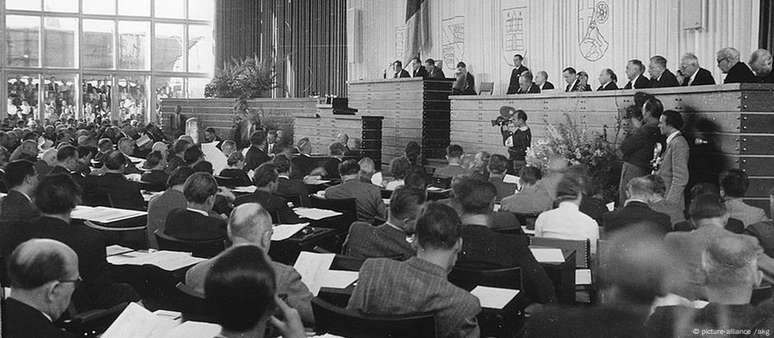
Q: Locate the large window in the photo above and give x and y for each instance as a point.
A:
(71, 58)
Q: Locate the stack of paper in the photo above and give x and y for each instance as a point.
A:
(493, 298)
(312, 266)
(137, 322)
(548, 255)
(246, 189)
(511, 179)
(117, 250)
(167, 260)
(315, 214)
(194, 330)
(104, 214)
(285, 231)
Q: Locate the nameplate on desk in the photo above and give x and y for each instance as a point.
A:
(493, 298)
(315, 214)
(104, 214)
(548, 255)
(246, 189)
(167, 260)
(284, 231)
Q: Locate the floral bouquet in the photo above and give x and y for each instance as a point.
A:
(580, 145)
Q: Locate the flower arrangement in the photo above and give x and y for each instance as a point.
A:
(577, 143)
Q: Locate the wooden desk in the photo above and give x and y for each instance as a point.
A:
(287, 251)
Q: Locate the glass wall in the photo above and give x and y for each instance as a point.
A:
(70, 58)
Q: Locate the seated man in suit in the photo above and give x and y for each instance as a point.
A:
(160, 205)
(256, 154)
(287, 186)
(420, 284)
(398, 71)
(175, 158)
(733, 187)
(533, 198)
(761, 64)
(454, 154)
(730, 267)
(56, 197)
(195, 222)
(571, 78)
(235, 170)
(21, 180)
(266, 182)
(634, 72)
(607, 80)
(498, 165)
(736, 70)
(483, 248)
(330, 168)
(120, 192)
(194, 158)
(541, 80)
(44, 275)
(694, 75)
(660, 76)
(126, 146)
(368, 197)
(250, 224)
(391, 238)
(434, 72)
(636, 210)
(155, 163)
(66, 161)
(526, 86)
(303, 163)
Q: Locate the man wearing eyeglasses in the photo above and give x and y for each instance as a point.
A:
(44, 275)
(737, 71)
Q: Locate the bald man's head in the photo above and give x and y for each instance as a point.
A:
(250, 223)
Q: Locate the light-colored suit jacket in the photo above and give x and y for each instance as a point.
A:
(674, 170)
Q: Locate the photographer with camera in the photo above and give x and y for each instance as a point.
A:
(516, 135)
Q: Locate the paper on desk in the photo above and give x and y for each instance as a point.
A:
(312, 267)
(167, 260)
(338, 279)
(496, 207)
(248, 189)
(434, 189)
(493, 298)
(194, 330)
(610, 206)
(511, 179)
(104, 214)
(117, 250)
(137, 322)
(285, 231)
(315, 214)
(548, 255)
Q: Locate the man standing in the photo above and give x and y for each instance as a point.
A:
(694, 75)
(634, 70)
(541, 80)
(433, 72)
(738, 71)
(637, 148)
(660, 76)
(518, 70)
(674, 161)
(571, 77)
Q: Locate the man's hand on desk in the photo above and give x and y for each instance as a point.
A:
(292, 326)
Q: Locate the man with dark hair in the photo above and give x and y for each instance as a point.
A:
(660, 76)
(126, 146)
(330, 167)
(532, 198)
(673, 163)
(434, 72)
(733, 187)
(160, 205)
(194, 158)
(637, 147)
(541, 80)
(417, 70)
(21, 180)
(44, 275)
(483, 248)
(498, 165)
(454, 154)
(391, 238)
(250, 224)
(256, 155)
(195, 223)
(571, 77)
(85, 154)
(526, 85)
(288, 187)
(634, 71)
(56, 197)
(66, 160)
(420, 284)
(271, 141)
(240, 290)
(175, 159)
(155, 163)
(607, 80)
(398, 71)
(265, 180)
(368, 197)
(636, 210)
(465, 83)
(518, 70)
(112, 188)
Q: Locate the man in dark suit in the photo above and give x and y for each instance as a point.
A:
(287, 186)
(518, 69)
(44, 275)
(368, 197)
(465, 83)
(433, 71)
(636, 210)
(693, 74)
(175, 159)
(418, 70)
(389, 239)
(303, 163)
(498, 165)
(67, 164)
(736, 70)
(398, 71)
(265, 180)
(634, 70)
(127, 146)
(526, 86)
(607, 80)
(541, 80)
(483, 248)
(660, 76)
(119, 191)
(256, 155)
(195, 222)
(760, 63)
(22, 180)
(571, 78)
(56, 197)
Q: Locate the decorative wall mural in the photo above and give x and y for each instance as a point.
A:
(452, 41)
(592, 14)
(514, 29)
(400, 42)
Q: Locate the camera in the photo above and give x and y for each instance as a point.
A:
(500, 121)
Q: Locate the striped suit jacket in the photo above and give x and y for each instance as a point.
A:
(367, 241)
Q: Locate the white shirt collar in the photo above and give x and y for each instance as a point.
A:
(198, 211)
(25, 195)
(693, 77)
(672, 136)
(283, 176)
